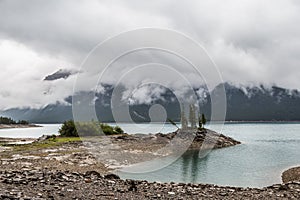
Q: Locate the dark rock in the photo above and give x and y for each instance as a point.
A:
(45, 137)
(122, 137)
(92, 173)
(132, 186)
(88, 180)
(284, 187)
(223, 194)
(111, 176)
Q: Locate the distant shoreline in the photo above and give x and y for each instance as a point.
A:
(270, 121)
(226, 122)
(9, 126)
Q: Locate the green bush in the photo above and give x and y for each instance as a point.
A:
(107, 130)
(118, 130)
(68, 129)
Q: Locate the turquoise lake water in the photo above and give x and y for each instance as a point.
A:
(45, 129)
(267, 149)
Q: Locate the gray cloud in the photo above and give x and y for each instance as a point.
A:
(250, 41)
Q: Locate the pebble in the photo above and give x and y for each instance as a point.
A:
(88, 180)
(73, 185)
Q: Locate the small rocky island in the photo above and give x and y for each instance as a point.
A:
(120, 149)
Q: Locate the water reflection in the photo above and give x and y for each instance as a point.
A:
(192, 165)
(264, 154)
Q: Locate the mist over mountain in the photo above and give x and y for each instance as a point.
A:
(244, 103)
(60, 74)
(52, 41)
(262, 103)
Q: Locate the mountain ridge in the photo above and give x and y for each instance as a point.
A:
(244, 103)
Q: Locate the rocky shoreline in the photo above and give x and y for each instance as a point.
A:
(44, 184)
(66, 168)
(16, 140)
(112, 152)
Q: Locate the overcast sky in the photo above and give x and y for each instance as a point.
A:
(251, 41)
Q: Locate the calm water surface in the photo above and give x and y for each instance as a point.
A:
(267, 149)
(35, 132)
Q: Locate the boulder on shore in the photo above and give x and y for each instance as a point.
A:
(291, 175)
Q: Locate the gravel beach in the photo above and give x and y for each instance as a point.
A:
(44, 184)
(65, 168)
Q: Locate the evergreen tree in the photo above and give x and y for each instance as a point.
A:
(203, 120)
(6, 120)
(68, 129)
(199, 122)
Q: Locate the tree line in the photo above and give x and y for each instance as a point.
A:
(9, 121)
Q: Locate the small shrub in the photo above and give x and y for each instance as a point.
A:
(118, 130)
(107, 130)
(69, 129)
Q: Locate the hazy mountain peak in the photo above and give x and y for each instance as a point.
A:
(244, 102)
(60, 74)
